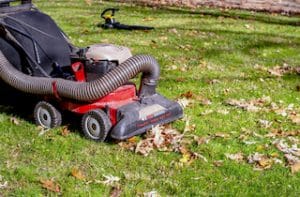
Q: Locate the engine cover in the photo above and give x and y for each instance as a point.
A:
(108, 52)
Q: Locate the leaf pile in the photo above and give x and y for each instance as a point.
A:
(279, 71)
(162, 138)
(265, 104)
(291, 154)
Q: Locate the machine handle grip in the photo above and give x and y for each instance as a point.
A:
(112, 10)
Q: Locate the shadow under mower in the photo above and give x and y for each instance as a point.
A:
(37, 59)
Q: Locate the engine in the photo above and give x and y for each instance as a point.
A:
(101, 58)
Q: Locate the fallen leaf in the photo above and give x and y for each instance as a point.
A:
(265, 123)
(265, 163)
(295, 167)
(189, 94)
(223, 111)
(202, 140)
(188, 127)
(50, 185)
(279, 71)
(115, 192)
(221, 135)
(144, 147)
(42, 130)
(132, 139)
(253, 105)
(285, 148)
(78, 174)
(239, 157)
(291, 159)
(249, 142)
(184, 102)
(151, 194)
(295, 118)
(218, 163)
(205, 101)
(110, 180)
(206, 112)
(65, 131)
(3, 185)
(89, 2)
(15, 120)
(261, 161)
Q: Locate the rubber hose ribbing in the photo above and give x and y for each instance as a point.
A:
(82, 91)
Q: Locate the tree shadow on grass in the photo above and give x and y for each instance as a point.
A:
(236, 14)
(247, 43)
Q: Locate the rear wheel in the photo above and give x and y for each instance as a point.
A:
(46, 115)
(96, 125)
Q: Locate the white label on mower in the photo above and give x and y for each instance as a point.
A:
(151, 111)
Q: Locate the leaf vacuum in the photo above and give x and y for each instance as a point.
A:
(37, 60)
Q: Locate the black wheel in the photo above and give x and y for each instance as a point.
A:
(46, 115)
(96, 125)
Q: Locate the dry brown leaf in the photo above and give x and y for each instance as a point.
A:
(78, 174)
(261, 161)
(202, 140)
(127, 145)
(144, 147)
(218, 163)
(89, 2)
(291, 159)
(15, 120)
(189, 94)
(221, 135)
(239, 157)
(188, 156)
(115, 192)
(265, 163)
(295, 167)
(184, 103)
(281, 133)
(205, 101)
(110, 180)
(253, 105)
(65, 131)
(295, 118)
(279, 71)
(50, 185)
(265, 123)
(188, 127)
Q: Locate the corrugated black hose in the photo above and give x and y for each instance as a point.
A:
(85, 91)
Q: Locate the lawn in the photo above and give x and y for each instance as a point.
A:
(236, 71)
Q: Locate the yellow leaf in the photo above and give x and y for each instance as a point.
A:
(265, 163)
(260, 148)
(77, 174)
(185, 158)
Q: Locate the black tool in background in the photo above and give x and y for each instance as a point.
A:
(111, 23)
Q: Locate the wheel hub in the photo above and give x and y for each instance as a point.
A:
(44, 117)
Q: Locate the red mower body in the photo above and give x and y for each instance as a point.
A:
(122, 96)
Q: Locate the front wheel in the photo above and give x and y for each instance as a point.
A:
(46, 115)
(96, 125)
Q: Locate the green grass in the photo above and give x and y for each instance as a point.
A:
(211, 44)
